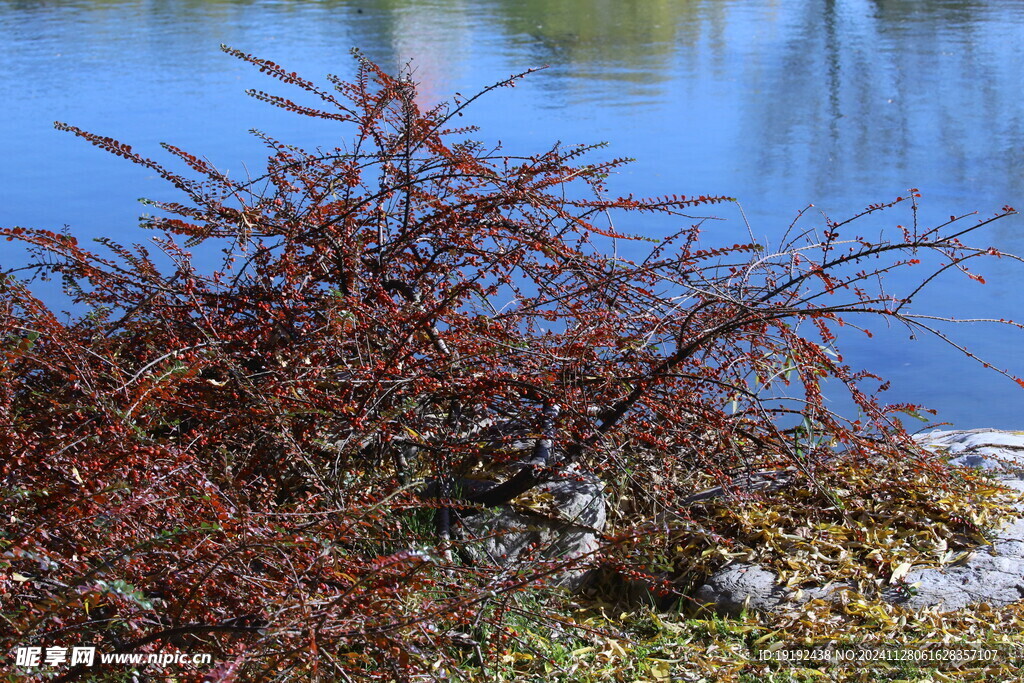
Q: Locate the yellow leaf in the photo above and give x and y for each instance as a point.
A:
(512, 657)
(900, 572)
(812, 672)
(20, 578)
(766, 637)
(661, 670)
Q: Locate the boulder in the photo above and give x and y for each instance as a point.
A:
(992, 574)
(562, 528)
(994, 450)
(741, 586)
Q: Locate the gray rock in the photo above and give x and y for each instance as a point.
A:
(992, 574)
(989, 449)
(741, 586)
(567, 533)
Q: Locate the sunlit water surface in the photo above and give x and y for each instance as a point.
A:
(781, 104)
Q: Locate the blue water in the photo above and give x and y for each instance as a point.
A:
(781, 104)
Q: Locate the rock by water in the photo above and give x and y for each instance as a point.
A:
(567, 534)
(991, 574)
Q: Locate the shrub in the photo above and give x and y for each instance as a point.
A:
(232, 459)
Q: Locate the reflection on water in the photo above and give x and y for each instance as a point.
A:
(594, 47)
(863, 92)
(778, 103)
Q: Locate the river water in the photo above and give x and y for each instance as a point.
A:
(780, 104)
